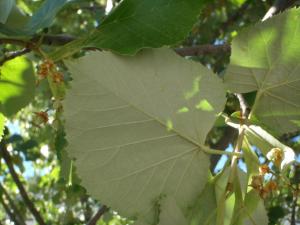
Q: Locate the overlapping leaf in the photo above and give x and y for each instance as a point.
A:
(136, 126)
(265, 58)
(17, 85)
(137, 24)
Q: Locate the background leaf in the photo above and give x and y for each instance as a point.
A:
(2, 123)
(141, 121)
(265, 60)
(137, 24)
(5, 8)
(17, 85)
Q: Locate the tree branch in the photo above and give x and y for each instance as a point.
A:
(60, 40)
(98, 215)
(203, 50)
(13, 206)
(27, 201)
(14, 54)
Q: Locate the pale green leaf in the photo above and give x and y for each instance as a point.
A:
(5, 8)
(266, 61)
(17, 85)
(132, 142)
(137, 24)
(2, 123)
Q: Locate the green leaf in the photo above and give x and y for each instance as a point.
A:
(126, 128)
(171, 214)
(265, 60)
(44, 16)
(5, 8)
(137, 24)
(2, 125)
(17, 85)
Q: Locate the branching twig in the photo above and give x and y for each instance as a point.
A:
(11, 215)
(14, 54)
(27, 201)
(12, 205)
(98, 215)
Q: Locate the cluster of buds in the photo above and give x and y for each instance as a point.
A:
(257, 183)
(276, 155)
(48, 68)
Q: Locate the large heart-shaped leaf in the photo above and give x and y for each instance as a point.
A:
(136, 24)
(136, 126)
(266, 61)
(17, 85)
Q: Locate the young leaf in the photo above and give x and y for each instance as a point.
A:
(17, 85)
(137, 125)
(137, 24)
(5, 8)
(266, 61)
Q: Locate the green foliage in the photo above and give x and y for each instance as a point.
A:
(265, 60)
(5, 8)
(138, 126)
(137, 24)
(17, 84)
(2, 123)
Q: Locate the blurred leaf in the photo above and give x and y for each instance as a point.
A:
(137, 24)
(126, 130)
(5, 8)
(44, 16)
(2, 123)
(265, 58)
(17, 85)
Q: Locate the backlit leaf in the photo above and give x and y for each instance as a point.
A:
(132, 142)
(265, 58)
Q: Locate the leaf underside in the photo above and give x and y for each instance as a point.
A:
(265, 60)
(136, 126)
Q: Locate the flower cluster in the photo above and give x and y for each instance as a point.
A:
(48, 68)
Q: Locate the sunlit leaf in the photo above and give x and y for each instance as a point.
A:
(265, 58)
(123, 126)
(2, 123)
(17, 85)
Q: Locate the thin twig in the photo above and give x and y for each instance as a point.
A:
(11, 215)
(12, 205)
(98, 215)
(27, 201)
(11, 55)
